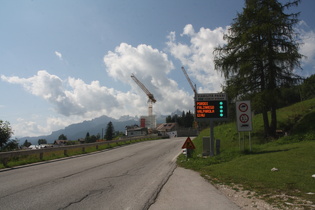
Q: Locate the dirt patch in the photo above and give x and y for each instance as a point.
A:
(249, 200)
(244, 198)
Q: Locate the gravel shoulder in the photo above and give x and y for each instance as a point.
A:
(187, 189)
(243, 198)
(249, 200)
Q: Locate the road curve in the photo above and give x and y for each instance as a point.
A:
(127, 177)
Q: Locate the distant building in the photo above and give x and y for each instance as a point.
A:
(60, 142)
(135, 130)
(81, 140)
(167, 129)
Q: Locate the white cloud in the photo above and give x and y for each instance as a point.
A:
(307, 48)
(151, 67)
(76, 100)
(197, 56)
(143, 59)
(70, 96)
(30, 127)
(188, 30)
(58, 54)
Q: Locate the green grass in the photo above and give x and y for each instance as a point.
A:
(293, 155)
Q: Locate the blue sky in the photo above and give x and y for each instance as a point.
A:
(66, 61)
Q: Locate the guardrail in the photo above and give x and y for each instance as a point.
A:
(5, 157)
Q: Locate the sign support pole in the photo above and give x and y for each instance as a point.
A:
(211, 138)
(250, 143)
(239, 140)
(243, 141)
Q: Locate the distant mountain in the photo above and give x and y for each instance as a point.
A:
(94, 127)
(177, 112)
(79, 130)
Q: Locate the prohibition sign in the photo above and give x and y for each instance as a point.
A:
(244, 118)
(243, 107)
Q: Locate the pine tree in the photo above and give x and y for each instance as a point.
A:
(26, 143)
(168, 119)
(87, 138)
(260, 56)
(62, 137)
(42, 141)
(109, 134)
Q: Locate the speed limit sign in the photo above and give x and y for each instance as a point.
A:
(243, 116)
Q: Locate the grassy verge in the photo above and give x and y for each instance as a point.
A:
(293, 156)
(23, 160)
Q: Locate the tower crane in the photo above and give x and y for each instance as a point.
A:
(193, 87)
(188, 79)
(151, 99)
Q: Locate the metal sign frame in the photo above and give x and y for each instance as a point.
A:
(244, 116)
(208, 107)
(213, 100)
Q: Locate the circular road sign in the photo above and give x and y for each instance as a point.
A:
(243, 107)
(244, 118)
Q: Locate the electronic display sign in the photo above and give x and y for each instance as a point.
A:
(211, 109)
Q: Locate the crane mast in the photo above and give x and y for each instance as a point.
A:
(151, 98)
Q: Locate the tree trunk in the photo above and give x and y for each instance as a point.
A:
(273, 124)
(266, 123)
(272, 85)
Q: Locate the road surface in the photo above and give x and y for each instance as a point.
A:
(136, 176)
(127, 177)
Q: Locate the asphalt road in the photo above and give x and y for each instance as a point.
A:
(137, 176)
(127, 177)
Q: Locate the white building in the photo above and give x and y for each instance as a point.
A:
(135, 131)
(167, 129)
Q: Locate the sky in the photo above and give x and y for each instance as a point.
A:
(66, 61)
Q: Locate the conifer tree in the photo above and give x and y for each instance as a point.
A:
(109, 134)
(260, 56)
(5, 133)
